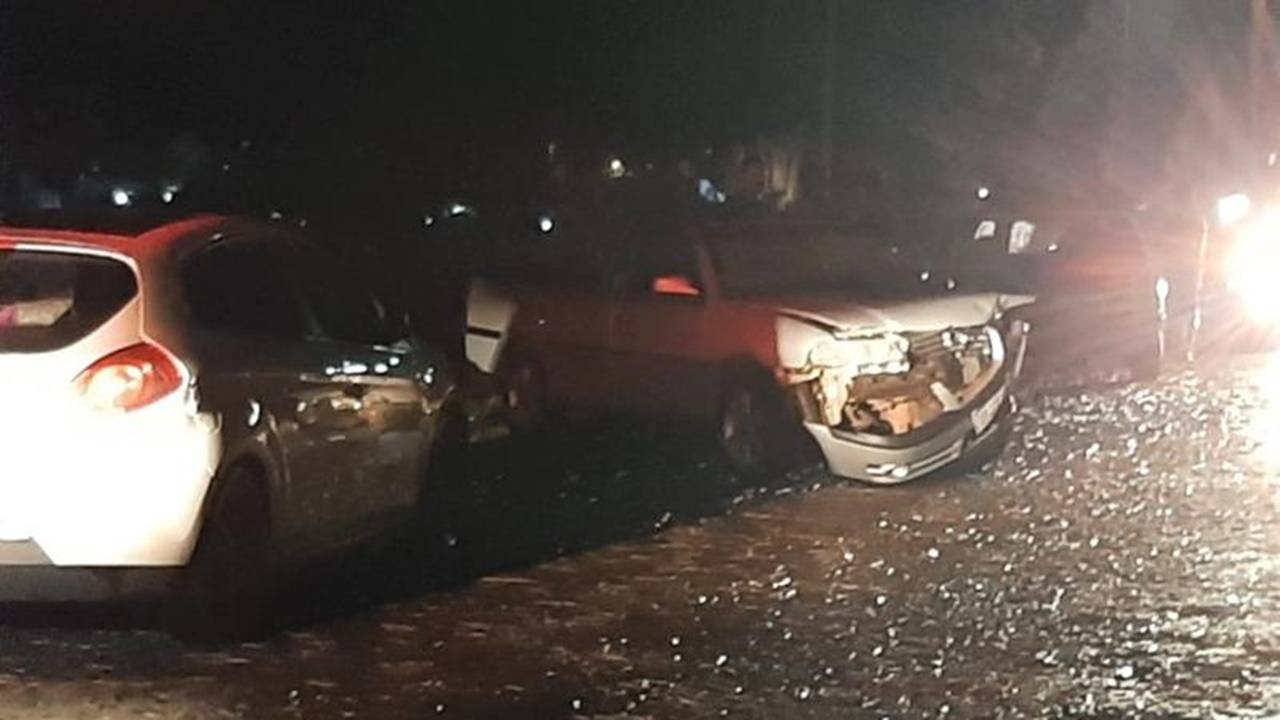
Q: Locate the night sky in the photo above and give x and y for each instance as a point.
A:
(419, 77)
(435, 91)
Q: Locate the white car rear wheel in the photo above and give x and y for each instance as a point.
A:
(224, 588)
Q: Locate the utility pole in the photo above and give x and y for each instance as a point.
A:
(1126, 76)
(1260, 38)
(828, 98)
(8, 126)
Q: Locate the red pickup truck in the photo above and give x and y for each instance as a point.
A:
(761, 329)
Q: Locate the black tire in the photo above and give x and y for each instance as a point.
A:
(224, 588)
(751, 427)
(526, 390)
(446, 465)
(975, 462)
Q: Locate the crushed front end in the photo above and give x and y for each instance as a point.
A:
(891, 407)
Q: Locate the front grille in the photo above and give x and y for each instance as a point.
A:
(951, 343)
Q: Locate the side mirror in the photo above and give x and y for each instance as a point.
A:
(678, 285)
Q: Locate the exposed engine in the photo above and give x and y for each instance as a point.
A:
(945, 370)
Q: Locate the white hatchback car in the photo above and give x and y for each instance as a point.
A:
(211, 391)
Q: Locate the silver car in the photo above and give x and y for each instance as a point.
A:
(210, 392)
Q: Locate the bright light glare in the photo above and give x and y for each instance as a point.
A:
(119, 197)
(1233, 208)
(113, 386)
(1162, 288)
(129, 493)
(1253, 265)
(1264, 421)
(984, 192)
(710, 192)
(546, 224)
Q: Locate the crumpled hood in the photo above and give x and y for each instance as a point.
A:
(852, 316)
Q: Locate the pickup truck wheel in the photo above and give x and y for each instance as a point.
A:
(224, 586)
(526, 397)
(446, 467)
(750, 429)
(977, 461)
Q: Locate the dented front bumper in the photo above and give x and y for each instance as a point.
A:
(945, 422)
(892, 459)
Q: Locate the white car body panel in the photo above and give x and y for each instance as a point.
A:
(95, 489)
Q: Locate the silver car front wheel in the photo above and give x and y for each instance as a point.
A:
(751, 430)
(740, 430)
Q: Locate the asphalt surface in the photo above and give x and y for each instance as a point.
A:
(1118, 561)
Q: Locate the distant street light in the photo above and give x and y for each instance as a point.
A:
(120, 197)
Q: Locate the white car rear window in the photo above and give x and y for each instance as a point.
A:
(49, 300)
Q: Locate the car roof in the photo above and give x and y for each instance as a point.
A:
(126, 234)
(119, 222)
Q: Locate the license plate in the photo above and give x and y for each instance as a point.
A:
(986, 414)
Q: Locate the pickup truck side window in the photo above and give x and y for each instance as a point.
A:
(564, 259)
(663, 270)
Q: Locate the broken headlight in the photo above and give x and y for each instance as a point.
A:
(874, 355)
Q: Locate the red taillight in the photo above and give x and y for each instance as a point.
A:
(129, 379)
